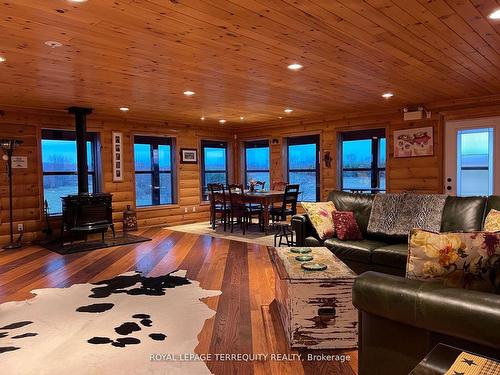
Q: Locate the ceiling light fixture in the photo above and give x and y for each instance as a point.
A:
(242, 118)
(202, 118)
(288, 110)
(222, 121)
(2, 59)
(495, 15)
(280, 117)
(189, 93)
(53, 44)
(124, 109)
(295, 66)
(387, 95)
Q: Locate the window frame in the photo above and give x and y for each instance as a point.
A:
(155, 171)
(94, 170)
(301, 140)
(261, 143)
(212, 144)
(374, 135)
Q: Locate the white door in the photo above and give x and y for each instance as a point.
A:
(472, 164)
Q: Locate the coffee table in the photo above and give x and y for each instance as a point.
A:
(315, 307)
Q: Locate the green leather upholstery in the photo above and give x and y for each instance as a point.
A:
(390, 254)
(394, 255)
(463, 214)
(492, 203)
(401, 321)
(359, 251)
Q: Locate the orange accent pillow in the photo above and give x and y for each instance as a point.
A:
(321, 216)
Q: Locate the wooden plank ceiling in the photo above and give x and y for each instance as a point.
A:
(234, 54)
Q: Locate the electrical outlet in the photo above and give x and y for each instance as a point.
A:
(20, 227)
(185, 210)
(194, 208)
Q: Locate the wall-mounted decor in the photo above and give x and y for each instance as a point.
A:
(117, 157)
(328, 159)
(189, 156)
(413, 142)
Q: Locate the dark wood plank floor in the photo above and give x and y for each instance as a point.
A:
(245, 322)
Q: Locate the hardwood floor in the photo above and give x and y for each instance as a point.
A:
(246, 321)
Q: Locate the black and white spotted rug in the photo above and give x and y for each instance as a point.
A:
(109, 327)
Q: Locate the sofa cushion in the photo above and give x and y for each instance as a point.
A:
(463, 214)
(464, 260)
(359, 251)
(312, 241)
(394, 255)
(493, 203)
(360, 204)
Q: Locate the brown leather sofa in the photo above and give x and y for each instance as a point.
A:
(401, 320)
(388, 254)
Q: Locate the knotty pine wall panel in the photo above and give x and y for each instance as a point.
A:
(421, 174)
(28, 194)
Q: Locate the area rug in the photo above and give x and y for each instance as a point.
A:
(120, 240)
(113, 326)
(252, 235)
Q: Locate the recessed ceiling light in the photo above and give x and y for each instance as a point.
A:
(189, 93)
(2, 59)
(387, 95)
(202, 118)
(53, 44)
(242, 118)
(222, 121)
(124, 109)
(495, 15)
(295, 66)
(280, 117)
(288, 110)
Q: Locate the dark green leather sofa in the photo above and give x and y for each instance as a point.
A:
(383, 253)
(401, 320)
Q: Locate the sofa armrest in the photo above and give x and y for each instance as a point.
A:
(467, 314)
(300, 224)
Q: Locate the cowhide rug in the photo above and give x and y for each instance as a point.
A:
(109, 327)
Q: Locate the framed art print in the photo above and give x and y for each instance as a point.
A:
(189, 156)
(414, 142)
(117, 148)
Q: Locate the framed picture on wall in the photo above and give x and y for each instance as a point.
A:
(117, 148)
(189, 156)
(414, 142)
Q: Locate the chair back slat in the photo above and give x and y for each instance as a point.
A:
(290, 197)
(279, 185)
(217, 194)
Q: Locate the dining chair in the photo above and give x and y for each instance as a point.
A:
(239, 212)
(218, 204)
(288, 205)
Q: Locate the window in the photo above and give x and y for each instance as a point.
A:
(257, 162)
(303, 166)
(154, 181)
(475, 162)
(363, 160)
(214, 164)
(59, 166)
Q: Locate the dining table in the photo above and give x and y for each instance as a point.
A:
(265, 198)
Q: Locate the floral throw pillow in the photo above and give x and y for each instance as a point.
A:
(321, 216)
(492, 221)
(346, 226)
(464, 260)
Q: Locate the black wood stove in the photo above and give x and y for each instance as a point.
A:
(85, 213)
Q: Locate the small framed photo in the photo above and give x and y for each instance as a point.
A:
(189, 156)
